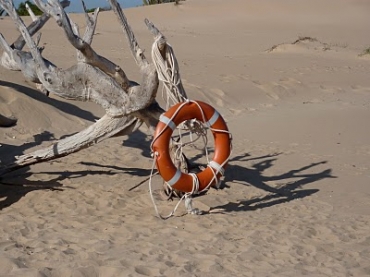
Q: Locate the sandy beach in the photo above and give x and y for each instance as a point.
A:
(288, 77)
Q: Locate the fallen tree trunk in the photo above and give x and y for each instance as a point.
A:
(104, 128)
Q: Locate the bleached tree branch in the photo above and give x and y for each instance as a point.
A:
(93, 78)
(31, 13)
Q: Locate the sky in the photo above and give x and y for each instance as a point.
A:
(76, 6)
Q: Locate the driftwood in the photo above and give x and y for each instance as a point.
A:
(95, 78)
(14, 58)
(30, 12)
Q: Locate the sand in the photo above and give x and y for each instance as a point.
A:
(296, 196)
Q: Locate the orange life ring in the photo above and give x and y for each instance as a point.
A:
(167, 124)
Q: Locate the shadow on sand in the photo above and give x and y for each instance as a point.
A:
(254, 175)
(12, 192)
(60, 105)
(286, 191)
(139, 140)
(15, 185)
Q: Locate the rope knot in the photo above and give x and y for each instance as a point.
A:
(195, 189)
(189, 206)
(154, 154)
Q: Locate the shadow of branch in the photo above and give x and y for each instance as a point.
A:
(263, 202)
(282, 193)
(13, 190)
(60, 105)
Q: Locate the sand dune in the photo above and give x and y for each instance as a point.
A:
(295, 198)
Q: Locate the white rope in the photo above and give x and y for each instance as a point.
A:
(187, 196)
(168, 73)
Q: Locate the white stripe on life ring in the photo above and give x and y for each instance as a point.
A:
(167, 121)
(213, 119)
(175, 178)
(217, 167)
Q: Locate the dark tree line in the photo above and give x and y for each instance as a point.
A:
(22, 11)
(153, 2)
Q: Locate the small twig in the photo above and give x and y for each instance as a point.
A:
(142, 182)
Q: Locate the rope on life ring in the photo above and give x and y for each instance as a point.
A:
(191, 183)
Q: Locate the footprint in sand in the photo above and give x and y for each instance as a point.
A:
(233, 78)
(199, 90)
(220, 94)
(330, 89)
(7, 95)
(215, 97)
(360, 89)
(276, 90)
(219, 98)
(228, 78)
(267, 88)
(290, 82)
